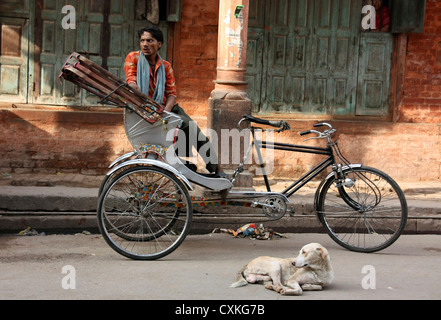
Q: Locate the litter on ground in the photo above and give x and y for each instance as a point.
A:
(251, 231)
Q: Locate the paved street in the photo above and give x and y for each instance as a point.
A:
(204, 266)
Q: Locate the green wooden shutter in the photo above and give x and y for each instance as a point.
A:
(374, 74)
(316, 60)
(334, 57)
(407, 16)
(174, 8)
(54, 46)
(104, 34)
(14, 50)
(312, 50)
(104, 31)
(255, 45)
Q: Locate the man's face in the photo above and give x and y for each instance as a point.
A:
(149, 45)
(377, 4)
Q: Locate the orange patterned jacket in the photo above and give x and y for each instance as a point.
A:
(131, 67)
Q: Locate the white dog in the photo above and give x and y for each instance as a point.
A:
(310, 270)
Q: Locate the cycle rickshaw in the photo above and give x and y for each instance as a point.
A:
(145, 209)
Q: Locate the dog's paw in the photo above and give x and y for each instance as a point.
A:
(291, 292)
(312, 287)
(271, 286)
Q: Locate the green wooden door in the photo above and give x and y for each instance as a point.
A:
(374, 74)
(255, 46)
(15, 31)
(53, 44)
(103, 34)
(331, 85)
(310, 56)
(14, 52)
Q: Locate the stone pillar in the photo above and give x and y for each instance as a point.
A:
(229, 100)
(232, 47)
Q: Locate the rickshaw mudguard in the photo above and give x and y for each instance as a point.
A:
(123, 158)
(153, 163)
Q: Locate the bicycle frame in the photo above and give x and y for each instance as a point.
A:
(302, 181)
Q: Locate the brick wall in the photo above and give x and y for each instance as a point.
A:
(422, 86)
(195, 54)
(51, 141)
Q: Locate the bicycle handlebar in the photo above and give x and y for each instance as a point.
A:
(325, 134)
(323, 124)
(304, 133)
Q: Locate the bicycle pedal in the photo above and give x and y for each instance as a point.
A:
(291, 211)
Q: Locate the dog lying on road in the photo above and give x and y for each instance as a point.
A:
(310, 270)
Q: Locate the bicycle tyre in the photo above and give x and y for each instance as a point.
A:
(144, 213)
(108, 178)
(367, 216)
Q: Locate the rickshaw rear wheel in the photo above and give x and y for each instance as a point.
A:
(144, 213)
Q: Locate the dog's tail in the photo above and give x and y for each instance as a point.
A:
(241, 281)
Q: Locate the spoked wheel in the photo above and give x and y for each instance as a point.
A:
(144, 213)
(366, 211)
(107, 179)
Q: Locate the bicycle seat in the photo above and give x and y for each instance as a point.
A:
(282, 125)
(256, 120)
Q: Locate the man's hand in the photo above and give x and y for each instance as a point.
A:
(170, 103)
(134, 85)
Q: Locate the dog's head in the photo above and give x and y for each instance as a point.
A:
(312, 255)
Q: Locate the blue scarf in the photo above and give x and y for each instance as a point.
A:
(143, 75)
